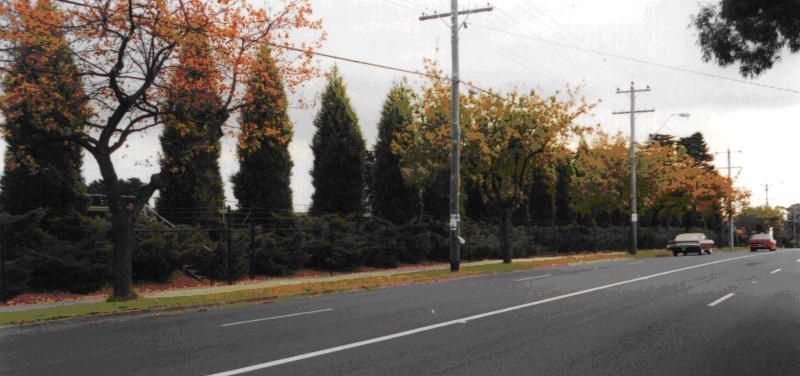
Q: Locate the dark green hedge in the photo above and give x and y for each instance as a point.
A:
(73, 254)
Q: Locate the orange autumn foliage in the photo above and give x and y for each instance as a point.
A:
(130, 62)
(665, 175)
(502, 138)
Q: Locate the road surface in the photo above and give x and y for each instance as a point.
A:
(725, 313)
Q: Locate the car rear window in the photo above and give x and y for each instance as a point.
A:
(683, 237)
(761, 237)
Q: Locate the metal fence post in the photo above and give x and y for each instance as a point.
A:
(230, 241)
(2, 259)
(252, 249)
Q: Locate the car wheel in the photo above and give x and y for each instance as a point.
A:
(674, 253)
(752, 249)
(684, 253)
(710, 250)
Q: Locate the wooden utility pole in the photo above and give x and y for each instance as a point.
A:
(730, 202)
(455, 137)
(766, 191)
(633, 112)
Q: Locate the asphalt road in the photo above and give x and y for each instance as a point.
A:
(727, 313)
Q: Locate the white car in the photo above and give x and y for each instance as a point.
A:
(694, 242)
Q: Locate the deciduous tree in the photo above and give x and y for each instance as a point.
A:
(128, 187)
(428, 172)
(753, 33)
(673, 189)
(755, 220)
(126, 53)
(503, 137)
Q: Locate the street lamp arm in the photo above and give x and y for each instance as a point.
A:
(682, 114)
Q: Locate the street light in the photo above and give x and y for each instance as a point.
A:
(682, 114)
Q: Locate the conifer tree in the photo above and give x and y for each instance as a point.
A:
(263, 181)
(339, 148)
(393, 199)
(192, 191)
(697, 148)
(41, 169)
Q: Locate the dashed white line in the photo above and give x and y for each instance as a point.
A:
(277, 317)
(464, 320)
(720, 300)
(537, 277)
(634, 263)
(774, 271)
(798, 260)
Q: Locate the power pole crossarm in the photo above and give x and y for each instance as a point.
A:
(633, 112)
(455, 137)
(461, 12)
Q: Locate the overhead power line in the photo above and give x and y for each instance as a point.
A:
(636, 60)
(385, 67)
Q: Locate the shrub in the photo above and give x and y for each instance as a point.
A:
(334, 243)
(59, 254)
(280, 253)
(414, 243)
(382, 247)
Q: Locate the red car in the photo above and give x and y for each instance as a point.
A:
(695, 242)
(762, 241)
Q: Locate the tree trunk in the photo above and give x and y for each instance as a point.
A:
(122, 235)
(505, 247)
(122, 220)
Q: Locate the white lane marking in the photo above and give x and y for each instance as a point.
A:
(277, 317)
(774, 271)
(537, 277)
(460, 321)
(634, 263)
(720, 300)
(798, 261)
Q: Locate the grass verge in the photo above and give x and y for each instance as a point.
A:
(172, 305)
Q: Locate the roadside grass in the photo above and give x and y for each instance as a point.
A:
(173, 305)
(648, 253)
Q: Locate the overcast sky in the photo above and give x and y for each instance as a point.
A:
(545, 45)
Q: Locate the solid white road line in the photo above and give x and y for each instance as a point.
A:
(634, 263)
(277, 317)
(720, 300)
(464, 320)
(774, 271)
(537, 277)
(798, 260)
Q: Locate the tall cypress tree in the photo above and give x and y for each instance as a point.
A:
(697, 148)
(263, 180)
(192, 192)
(393, 199)
(338, 147)
(41, 169)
